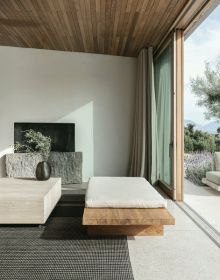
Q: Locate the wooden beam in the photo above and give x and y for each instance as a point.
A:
(199, 15)
(192, 12)
(179, 139)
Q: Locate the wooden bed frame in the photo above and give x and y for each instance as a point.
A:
(127, 221)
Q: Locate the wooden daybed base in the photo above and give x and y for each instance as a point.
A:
(127, 221)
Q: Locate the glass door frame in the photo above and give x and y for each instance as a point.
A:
(179, 114)
(175, 189)
(193, 13)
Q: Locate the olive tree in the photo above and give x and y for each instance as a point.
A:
(207, 89)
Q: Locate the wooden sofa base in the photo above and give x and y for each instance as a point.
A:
(127, 221)
(136, 230)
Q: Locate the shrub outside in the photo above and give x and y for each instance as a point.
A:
(196, 165)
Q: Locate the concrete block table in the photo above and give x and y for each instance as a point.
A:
(28, 201)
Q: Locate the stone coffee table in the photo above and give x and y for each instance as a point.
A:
(28, 201)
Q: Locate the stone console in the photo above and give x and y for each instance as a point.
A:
(67, 165)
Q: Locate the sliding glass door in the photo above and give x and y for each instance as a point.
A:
(164, 106)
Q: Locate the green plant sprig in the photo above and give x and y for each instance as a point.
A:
(36, 142)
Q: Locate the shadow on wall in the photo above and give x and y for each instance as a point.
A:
(102, 136)
(96, 92)
(83, 119)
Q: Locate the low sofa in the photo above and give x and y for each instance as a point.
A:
(212, 178)
(124, 206)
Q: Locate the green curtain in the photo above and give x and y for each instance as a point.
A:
(152, 117)
(162, 68)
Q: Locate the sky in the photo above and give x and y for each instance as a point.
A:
(201, 46)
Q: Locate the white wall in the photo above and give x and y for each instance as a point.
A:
(96, 92)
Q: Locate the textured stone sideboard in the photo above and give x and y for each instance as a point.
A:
(22, 165)
(66, 165)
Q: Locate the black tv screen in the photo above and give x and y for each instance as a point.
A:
(62, 134)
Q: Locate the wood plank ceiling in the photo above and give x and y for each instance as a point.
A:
(117, 27)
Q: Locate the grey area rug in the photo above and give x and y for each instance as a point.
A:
(61, 249)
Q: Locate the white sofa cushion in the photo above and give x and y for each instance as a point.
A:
(217, 161)
(122, 192)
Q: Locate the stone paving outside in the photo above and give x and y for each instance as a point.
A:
(205, 201)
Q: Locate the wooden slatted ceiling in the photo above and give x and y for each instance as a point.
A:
(117, 27)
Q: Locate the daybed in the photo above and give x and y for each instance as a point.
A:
(124, 205)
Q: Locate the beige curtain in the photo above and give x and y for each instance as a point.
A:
(144, 149)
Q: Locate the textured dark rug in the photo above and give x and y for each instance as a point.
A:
(61, 249)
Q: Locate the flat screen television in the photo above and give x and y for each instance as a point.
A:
(62, 134)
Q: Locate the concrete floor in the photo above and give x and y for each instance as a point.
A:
(205, 201)
(183, 253)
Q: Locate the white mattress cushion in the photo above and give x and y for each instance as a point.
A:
(122, 192)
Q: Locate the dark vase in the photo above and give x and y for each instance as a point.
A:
(43, 171)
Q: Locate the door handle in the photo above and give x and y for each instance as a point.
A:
(171, 149)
